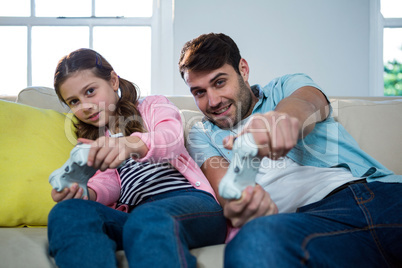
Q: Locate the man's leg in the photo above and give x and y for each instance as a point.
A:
(359, 226)
(161, 231)
(85, 234)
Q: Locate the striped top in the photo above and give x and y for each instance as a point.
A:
(140, 180)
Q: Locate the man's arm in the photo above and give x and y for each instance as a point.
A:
(214, 168)
(255, 201)
(277, 132)
(307, 104)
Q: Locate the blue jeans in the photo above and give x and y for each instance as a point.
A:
(157, 233)
(360, 226)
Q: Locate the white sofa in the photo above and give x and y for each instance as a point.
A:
(376, 124)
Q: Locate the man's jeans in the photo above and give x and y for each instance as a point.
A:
(157, 233)
(360, 226)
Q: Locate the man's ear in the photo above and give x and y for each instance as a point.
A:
(244, 69)
(114, 79)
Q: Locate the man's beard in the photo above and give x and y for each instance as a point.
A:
(242, 107)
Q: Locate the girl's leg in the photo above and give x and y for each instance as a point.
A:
(85, 234)
(161, 231)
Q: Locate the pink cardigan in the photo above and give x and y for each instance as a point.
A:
(165, 141)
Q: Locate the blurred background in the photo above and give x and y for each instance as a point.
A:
(349, 47)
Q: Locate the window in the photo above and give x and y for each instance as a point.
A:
(391, 10)
(128, 33)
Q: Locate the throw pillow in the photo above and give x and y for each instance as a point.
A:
(33, 143)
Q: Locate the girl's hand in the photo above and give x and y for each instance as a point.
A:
(68, 193)
(109, 152)
(73, 192)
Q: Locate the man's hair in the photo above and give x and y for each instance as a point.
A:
(209, 52)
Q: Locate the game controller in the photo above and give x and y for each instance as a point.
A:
(242, 169)
(75, 170)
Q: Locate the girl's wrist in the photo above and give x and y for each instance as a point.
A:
(138, 147)
(92, 194)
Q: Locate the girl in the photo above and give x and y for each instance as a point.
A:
(152, 200)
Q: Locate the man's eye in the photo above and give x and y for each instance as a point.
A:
(199, 93)
(220, 83)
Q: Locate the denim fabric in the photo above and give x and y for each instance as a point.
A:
(157, 233)
(360, 226)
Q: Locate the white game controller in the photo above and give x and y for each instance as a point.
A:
(75, 170)
(243, 168)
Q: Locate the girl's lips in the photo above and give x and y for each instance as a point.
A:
(94, 117)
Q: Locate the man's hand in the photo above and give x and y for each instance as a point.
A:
(274, 133)
(255, 202)
(277, 132)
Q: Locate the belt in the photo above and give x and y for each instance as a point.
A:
(344, 186)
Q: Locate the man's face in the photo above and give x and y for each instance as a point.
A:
(222, 95)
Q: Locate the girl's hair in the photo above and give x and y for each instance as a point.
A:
(209, 52)
(126, 109)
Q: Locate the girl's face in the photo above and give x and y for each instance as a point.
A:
(91, 99)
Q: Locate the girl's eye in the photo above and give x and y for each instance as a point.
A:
(90, 91)
(73, 102)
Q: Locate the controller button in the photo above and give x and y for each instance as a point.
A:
(67, 169)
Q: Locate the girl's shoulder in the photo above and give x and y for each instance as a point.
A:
(153, 100)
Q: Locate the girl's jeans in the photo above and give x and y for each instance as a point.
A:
(157, 233)
(360, 226)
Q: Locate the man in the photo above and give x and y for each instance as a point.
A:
(337, 205)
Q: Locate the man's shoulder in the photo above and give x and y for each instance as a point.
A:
(286, 78)
(203, 126)
(284, 85)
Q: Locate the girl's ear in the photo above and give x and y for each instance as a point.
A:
(114, 79)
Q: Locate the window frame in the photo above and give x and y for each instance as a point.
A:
(376, 67)
(161, 24)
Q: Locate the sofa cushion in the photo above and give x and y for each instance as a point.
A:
(43, 97)
(33, 244)
(375, 125)
(33, 143)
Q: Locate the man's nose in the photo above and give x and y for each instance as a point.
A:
(214, 99)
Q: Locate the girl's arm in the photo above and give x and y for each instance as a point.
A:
(164, 138)
(106, 186)
(103, 187)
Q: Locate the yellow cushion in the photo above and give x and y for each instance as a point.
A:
(33, 143)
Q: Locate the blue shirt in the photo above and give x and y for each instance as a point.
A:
(328, 145)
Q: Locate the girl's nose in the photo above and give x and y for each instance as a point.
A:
(87, 106)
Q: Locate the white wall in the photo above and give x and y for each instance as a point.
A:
(327, 39)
